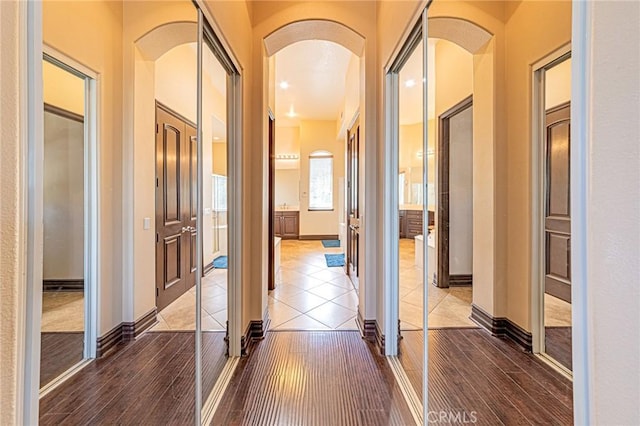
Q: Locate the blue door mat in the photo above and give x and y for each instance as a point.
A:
(331, 243)
(220, 262)
(334, 259)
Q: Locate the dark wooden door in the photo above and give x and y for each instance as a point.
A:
(175, 207)
(191, 188)
(353, 192)
(557, 220)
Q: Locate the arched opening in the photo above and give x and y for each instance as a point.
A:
(310, 211)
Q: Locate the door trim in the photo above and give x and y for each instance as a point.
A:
(271, 279)
(442, 202)
(537, 200)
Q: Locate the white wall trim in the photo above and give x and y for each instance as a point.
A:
(581, 35)
(390, 260)
(31, 208)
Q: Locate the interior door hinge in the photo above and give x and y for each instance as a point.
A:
(157, 237)
(157, 182)
(157, 292)
(157, 128)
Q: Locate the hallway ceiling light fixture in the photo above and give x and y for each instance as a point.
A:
(287, 156)
(291, 113)
(284, 85)
(410, 83)
(216, 138)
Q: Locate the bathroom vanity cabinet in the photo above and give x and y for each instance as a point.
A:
(286, 224)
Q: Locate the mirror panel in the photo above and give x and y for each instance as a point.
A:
(214, 294)
(63, 287)
(557, 215)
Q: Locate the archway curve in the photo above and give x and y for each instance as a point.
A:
(314, 29)
(465, 34)
(165, 37)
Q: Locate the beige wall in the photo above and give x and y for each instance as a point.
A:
(454, 75)
(12, 266)
(557, 81)
(611, 234)
(527, 42)
(62, 89)
(316, 135)
(91, 34)
(287, 187)
(63, 183)
(219, 152)
(351, 96)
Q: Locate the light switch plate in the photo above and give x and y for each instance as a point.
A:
(146, 223)
(207, 211)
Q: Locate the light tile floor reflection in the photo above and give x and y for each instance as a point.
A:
(448, 307)
(62, 311)
(180, 315)
(557, 312)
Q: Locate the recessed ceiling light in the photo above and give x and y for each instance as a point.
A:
(291, 112)
(215, 138)
(284, 85)
(410, 83)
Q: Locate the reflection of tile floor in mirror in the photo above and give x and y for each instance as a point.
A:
(557, 312)
(180, 315)
(448, 307)
(62, 311)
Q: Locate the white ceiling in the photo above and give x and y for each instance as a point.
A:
(411, 96)
(315, 71)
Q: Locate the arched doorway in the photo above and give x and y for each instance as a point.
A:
(350, 120)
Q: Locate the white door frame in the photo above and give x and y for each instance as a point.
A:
(414, 35)
(91, 205)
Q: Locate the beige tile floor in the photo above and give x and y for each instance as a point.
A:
(180, 315)
(62, 311)
(557, 312)
(448, 307)
(309, 295)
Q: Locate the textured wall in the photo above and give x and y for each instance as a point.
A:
(10, 214)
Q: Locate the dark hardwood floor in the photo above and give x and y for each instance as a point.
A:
(59, 351)
(472, 372)
(149, 381)
(557, 344)
(313, 378)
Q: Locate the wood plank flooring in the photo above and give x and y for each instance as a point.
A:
(149, 381)
(313, 378)
(472, 372)
(558, 344)
(59, 351)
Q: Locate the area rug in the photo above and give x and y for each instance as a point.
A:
(334, 259)
(220, 262)
(331, 243)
